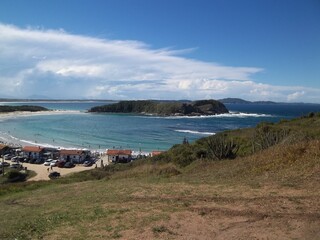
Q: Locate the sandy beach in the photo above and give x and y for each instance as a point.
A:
(39, 113)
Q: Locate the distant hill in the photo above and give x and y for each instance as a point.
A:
(233, 100)
(241, 101)
(173, 108)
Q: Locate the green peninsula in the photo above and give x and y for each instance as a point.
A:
(171, 108)
(23, 108)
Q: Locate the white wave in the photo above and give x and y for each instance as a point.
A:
(224, 115)
(241, 114)
(195, 132)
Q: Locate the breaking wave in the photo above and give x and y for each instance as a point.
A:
(196, 132)
(224, 115)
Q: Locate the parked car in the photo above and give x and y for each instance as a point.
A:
(5, 164)
(87, 163)
(15, 165)
(53, 163)
(22, 159)
(39, 161)
(61, 164)
(15, 159)
(31, 160)
(7, 157)
(47, 162)
(69, 165)
(54, 175)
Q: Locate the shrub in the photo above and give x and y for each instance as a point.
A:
(15, 176)
(265, 136)
(222, 148)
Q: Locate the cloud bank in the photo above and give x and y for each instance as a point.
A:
(57, 64)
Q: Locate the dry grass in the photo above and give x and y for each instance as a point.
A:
(273, 194)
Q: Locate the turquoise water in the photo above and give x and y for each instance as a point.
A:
(102, 131)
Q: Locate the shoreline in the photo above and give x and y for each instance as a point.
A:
(39, 113)
(8, 139)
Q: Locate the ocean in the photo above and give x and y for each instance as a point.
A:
(137, 132)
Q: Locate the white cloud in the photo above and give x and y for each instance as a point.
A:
(63, 65)
(295, 96)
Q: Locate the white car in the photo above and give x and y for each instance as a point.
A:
(53, 163)
(15, 159)
(48, 162)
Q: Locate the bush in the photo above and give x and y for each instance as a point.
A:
(265, 136)
(15, 176)
(222, 148)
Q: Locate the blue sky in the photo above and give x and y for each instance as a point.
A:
(168, 49)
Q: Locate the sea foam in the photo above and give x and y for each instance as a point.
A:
(224, 115)
(196, 132)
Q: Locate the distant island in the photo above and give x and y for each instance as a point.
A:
(241, 101)
(23, 108)
(172, 108)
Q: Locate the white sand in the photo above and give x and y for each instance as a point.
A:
(39, 113)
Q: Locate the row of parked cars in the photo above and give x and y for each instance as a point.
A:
(58, 163)
(14, 159)
(49, 162)
(12, 165)
(46, 162)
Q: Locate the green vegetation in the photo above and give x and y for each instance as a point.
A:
(206, 107)
(13, 176)
(27, 108)
(269, 187)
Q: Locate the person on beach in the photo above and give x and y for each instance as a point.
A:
(48, 169)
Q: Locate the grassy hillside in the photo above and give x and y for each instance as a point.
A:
(270, 193)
